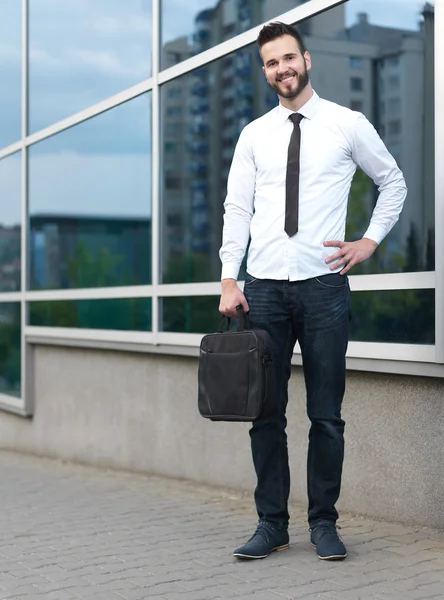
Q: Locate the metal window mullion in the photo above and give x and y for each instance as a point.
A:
(439, 183)
(12, 149)
(26, 383)
(155, 167)
(358, 283)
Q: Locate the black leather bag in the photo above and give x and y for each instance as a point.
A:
(235, 373)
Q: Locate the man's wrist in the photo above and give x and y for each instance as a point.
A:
(228, 282)
(367, 239)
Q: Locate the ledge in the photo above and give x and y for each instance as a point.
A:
(371, 365)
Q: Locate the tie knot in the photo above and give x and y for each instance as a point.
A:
(296, 118)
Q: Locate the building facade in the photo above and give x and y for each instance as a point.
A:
(117, 132)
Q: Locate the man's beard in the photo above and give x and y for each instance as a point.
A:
(303, 81)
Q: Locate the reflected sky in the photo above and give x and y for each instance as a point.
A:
(10, 178)
(179, 15)
(100, 167)
(81, 52)
(10, 69)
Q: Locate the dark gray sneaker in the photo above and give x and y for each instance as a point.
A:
(327, 542)
(266, 539)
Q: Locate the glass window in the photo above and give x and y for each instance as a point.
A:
(196, 153)
(401, 316)
(392, 61)
(10, 223)
(404, 316)
(394, 106)
(90, 202)
(356, 62)
(356, 84)
(394, 127)
(195, 314)
(393, 83)
(356, 105)
(10, 348)
(11, 71)
(198, 145)
(410, 246)
(122, 314)
(191, 27)
(83, 52)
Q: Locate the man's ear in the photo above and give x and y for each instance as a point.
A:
(307, 60)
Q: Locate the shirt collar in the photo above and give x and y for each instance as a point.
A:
(307, 110)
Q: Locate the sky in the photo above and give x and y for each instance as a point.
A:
(82, 51)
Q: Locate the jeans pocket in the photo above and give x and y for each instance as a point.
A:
(249, 280)
(332, 280)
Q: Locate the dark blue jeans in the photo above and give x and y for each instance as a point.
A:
(316, 313)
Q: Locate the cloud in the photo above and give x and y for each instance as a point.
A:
(101, 49)
(10, 67)
(129, 24)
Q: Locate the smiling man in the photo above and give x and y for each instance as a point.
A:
(288, 189)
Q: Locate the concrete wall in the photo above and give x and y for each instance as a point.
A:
(139, 412)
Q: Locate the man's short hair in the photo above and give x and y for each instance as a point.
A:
(275, 30)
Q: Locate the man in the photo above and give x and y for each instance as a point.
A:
(288, 189)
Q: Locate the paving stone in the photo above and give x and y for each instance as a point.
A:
(76, 533)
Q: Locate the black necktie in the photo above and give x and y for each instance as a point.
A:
(292, 186)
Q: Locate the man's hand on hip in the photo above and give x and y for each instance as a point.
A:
(231, 297)
(350, 253)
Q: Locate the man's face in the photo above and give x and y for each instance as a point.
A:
(285, 68)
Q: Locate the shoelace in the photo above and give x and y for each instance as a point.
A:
(330, 530)
(263, 531)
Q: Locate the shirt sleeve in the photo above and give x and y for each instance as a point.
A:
(239, 207)
(370, 153)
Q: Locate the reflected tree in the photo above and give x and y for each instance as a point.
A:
(87, 270)
(10, 349)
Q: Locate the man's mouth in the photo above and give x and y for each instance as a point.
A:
(286, 79)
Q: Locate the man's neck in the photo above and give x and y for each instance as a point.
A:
(295, 104)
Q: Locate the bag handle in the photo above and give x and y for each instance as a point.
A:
(244, 321)
(222, 323)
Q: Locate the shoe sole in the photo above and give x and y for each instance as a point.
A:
(249, 557)
(332, 557)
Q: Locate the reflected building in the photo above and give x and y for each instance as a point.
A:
(77, 251)
(365, 67)
(10, 251)
(175, 157)
(401, 90)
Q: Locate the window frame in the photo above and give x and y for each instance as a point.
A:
(366, 356)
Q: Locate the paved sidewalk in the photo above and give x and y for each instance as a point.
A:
(70, 532)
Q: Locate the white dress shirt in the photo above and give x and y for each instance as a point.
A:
(334, 140)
